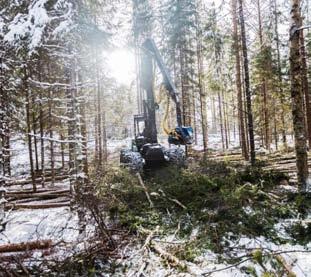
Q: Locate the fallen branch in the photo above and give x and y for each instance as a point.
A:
(286, 266)
(150, 236)
(141, 182)
(26, 246)
(173, 260)
(168, 256)
(178, 203)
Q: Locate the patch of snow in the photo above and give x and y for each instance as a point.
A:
(28, 225)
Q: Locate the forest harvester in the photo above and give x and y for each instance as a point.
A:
(145, 150)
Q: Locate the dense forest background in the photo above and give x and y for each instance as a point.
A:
(229, 60)
(241, 68)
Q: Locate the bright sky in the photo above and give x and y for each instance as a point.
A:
(121, 64)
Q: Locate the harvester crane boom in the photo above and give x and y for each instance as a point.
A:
(151, 47)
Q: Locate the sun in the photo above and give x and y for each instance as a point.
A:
(121, 66)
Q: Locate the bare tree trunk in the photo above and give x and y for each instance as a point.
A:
(99, 115)
(62, 149)
(96, 136)
(247, 87)
(41, 114)
(279, 69)
(225, 122)
(263, 85)
(214, 117)
(234, 116)
(202, 92)
(221, 120)
(105, 150)
(305, 85)
(33, 178)
(34, 129)
(84, 134)
(297, 96)
(50, 124)
(238, 80)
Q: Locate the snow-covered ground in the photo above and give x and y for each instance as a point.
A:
(57, 224)
(62, 225)
(297, 257)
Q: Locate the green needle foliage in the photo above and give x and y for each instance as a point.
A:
(221, 202)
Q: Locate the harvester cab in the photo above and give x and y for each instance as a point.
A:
(146, 151)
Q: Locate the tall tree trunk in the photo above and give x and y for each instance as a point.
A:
(105, 149)
(279, 70)
(41, 120)
(305, 85)
(99, 114)
(203, 110)
(247, 86)
(50, 124)
(84, 133)
(214, 117)
(238, 80)
(263, 85)
(34, 130)
(297, 96)
(225, 116)
(96, 135)
(221, 120)
(28, 120)
(41, 126)
(62, 148)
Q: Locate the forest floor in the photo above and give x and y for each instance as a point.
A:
(219, 217)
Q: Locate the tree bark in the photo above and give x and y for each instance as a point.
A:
(279, 69)
(29, 129)
(247, 86)
(41, 126)
(305, 84)
(99, 114)
(263, 85)
(238, 80)
(203, 110)
(50, 124)
(221, 120)
(297, 96)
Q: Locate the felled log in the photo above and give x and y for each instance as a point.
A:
(38, 180)
(37, 206)
(32, 201)
(26, 246)
(30, 191)
(38, 195)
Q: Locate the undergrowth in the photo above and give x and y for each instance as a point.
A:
(220, 202)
